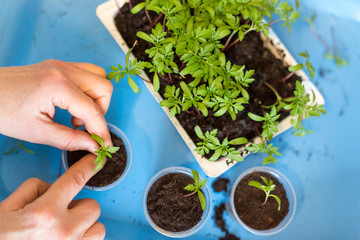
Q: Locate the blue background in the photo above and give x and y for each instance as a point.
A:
(324, 167)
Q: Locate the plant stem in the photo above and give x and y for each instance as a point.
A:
(332, 32)
(227, 131)
(143, 78)
(233, 43)
(287, 77)
(157, 20)
(320, 39)
(164, 23)
(228, 41)
(266, 198)
(130, 4)
(171, 81)
(278, 97)
(188, 195)
(164, 78)
(148, 17)
(182, 66)
(197, 110)
(275, 21)
(117, 4)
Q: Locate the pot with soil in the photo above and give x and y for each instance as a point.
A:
(170, 209)
(115, 169)
(221, 74)
(260, 212)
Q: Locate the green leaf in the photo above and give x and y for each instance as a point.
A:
(185, 88)
(202, 200)
(138, 7)
(133, 85)
(196, 177)
(113, 149)
(277, 199)
(256, 184)
(238, 141)
(202, 183)
(296, 67)
(190, 188)
(156, 82)
(255, 117)
(98, 139)
(144, 36)
(199, 132)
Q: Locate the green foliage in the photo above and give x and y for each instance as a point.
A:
(267, 188)
(196, 188)
(131, 68)
(103, 151)
(211, 144)
(300, 108)
(20, 146)
(307, 64)
(267, 148)
(270, 124)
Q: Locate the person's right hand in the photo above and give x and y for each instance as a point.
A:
(39, 210)
(29, 95)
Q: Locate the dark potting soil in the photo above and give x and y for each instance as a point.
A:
(220, 184)
(250, 52)
(248, 203)
(169, 208)
(220, 223)
(113, 169)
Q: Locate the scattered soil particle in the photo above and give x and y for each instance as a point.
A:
(248, 203)
(113, 168)
(220, 184)
(220, 222)
(169, 208)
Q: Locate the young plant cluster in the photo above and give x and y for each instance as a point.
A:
(188, 39)
(103, 152)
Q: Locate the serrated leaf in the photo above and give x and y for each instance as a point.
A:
(190, 188)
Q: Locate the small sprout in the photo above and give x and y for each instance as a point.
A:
(20, 145)
(102, 152)
(307, 64)
(267, 188)
(211, 143)
(196, 188)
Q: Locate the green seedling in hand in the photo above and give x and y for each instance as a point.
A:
(267, 188)
(196, 188)
(102, 152)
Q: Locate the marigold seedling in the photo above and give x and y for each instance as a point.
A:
(102, 152)
(267, 188)
(196, 188)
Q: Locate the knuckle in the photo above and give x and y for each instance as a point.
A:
(101, 71)
(102, 230)
(34, 181)
(79, 178)
(44, 213)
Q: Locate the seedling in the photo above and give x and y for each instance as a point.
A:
(196, 188)
(267, 188)
(331, 54)
(102, 152)
(20, 145)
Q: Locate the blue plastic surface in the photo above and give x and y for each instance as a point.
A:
(323, 167)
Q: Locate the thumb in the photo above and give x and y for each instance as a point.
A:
(66, 138)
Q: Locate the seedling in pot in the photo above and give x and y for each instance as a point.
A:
(196, 188)
(267, 188)
(102, 152)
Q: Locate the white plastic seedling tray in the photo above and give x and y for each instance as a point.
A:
(107, 12)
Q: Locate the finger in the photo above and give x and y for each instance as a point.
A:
(95, 86)
(83, 107)
(68, 139)
(89, 67)
(77, 122)
(71, 182)
(86, 211)
(25, 194)
(96, 232)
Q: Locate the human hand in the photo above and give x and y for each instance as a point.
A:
(40, 210)
(29, 95)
